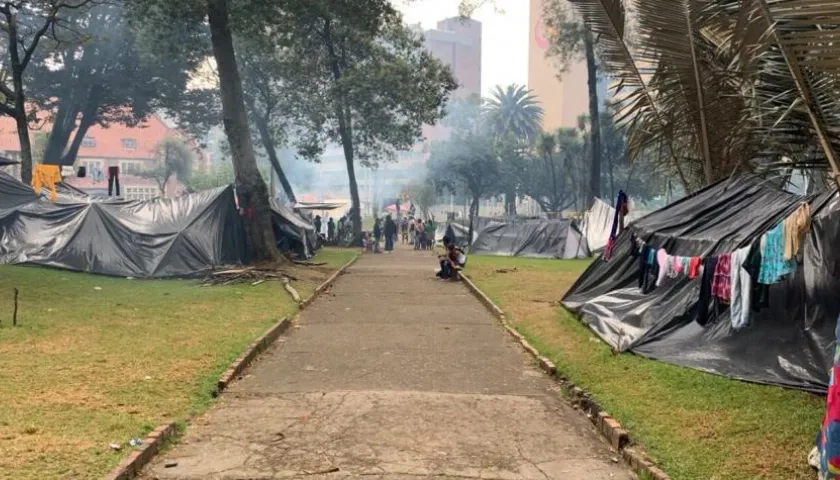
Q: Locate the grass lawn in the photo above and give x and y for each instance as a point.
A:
(98, 360)
(695, 425)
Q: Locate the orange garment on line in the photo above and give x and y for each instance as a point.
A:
(795, 226)
(46, 176)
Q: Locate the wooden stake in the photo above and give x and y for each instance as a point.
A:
(14, 315)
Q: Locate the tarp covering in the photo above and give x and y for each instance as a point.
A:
(787, 344)
(174, 237)
(319, 205)
(533, 238)
(156, 238)
(292, 232)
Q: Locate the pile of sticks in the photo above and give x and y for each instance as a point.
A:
(252, 275)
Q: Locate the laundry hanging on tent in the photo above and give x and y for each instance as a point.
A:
(622, 208)
(721, 279)
(46, 176)
(741, 289)
(795, 226)
(773, 265)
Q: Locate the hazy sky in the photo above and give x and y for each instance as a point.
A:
(504, 35)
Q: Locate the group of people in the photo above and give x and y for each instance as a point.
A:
(332, 232)
(418, 232)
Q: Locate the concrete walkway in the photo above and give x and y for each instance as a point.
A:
(392, 375)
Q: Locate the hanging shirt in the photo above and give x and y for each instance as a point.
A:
(760, 295)
(721, 281)
(794, 228)
(773, 264)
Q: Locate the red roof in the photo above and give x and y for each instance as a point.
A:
(108, 142)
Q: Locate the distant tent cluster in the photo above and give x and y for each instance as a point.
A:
(788, 342)
(519, 237)
(158, 238)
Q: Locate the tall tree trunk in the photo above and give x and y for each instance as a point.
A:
(271, 150)
(25, 149)
(62, 128)
(250, 187)
(595, 123)
(345, 132)
(20, 113)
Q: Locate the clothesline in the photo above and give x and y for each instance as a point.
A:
(739, 279)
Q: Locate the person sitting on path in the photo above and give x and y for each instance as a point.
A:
(452, 261)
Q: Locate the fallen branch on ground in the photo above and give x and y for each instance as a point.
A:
(288, 286)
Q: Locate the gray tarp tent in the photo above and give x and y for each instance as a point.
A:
(156, 238)
(533, 238)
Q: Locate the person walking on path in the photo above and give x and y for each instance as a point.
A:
(317, 224)
(430, 234)
(404, 229)
(390, 234)
(331, 230)
(377, 234)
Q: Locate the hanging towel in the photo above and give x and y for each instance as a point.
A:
(741, 285)
(676, 267)
(794, 228)
(721, 281)
(694, 264)
(621, 209)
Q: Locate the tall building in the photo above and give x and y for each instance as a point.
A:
(563, 101)
(456, 42)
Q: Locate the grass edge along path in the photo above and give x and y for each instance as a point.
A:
(696, 426)
(99, 360)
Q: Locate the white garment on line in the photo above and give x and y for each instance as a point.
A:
(740, 285)
(662, 258)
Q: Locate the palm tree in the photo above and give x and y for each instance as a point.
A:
(514, 118)
(725, 85)
(514, 113)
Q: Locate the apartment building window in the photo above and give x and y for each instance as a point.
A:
(89, 142)
(130, 168)
(129, 143)
(141, 193)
